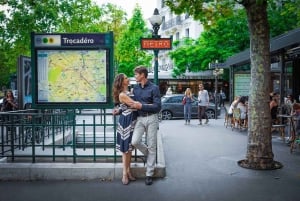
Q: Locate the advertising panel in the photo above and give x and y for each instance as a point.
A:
(242, 84)
(24, 82)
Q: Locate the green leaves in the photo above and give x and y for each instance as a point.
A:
(128, 53)
(226, 30)
(48, 16)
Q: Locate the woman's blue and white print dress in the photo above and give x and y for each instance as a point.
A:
(125, 128)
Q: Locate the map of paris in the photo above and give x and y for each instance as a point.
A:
(72, 75)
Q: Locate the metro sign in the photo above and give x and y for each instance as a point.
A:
(156, 43)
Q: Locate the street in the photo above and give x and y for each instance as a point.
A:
(201, 164)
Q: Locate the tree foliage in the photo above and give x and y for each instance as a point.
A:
(283, 16)
(128, 46)
(20, 18)
(206, 11)
(225, 38)
(229, 35)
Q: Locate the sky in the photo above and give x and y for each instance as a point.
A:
(147, 6)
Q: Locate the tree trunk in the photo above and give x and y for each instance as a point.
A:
(259, 148)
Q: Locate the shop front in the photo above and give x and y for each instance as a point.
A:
(285, 67)
(190, 80)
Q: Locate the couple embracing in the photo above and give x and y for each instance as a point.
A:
(138, 116)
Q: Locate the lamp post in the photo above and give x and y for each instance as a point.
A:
(155, 20)
(216, 72)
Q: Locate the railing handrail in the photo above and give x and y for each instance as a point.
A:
(47, 136)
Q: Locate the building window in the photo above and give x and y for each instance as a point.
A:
(177, 35)
(163, 25)
(163, 3)
(187, 33)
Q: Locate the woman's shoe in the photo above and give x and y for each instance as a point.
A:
(130, 177)
(125, 180)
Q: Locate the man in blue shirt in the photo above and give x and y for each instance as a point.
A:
(148, 103)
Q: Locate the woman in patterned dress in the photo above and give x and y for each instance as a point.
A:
(126, 123)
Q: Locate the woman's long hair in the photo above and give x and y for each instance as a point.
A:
(12, 94)
(118, 87)
(188, 92)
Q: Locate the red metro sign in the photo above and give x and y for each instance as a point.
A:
(156, 43)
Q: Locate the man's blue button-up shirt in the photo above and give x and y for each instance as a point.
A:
(149, 96)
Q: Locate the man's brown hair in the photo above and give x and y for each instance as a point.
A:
(141, 70)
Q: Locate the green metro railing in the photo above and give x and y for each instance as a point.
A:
(58, 135)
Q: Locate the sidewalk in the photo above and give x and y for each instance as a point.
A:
(201, 165)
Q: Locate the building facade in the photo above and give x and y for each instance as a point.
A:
(179, 27)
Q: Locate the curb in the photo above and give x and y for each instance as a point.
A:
(78, 171)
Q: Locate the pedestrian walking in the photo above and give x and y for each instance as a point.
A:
(203, 102)
(169, 91)
(222, 98)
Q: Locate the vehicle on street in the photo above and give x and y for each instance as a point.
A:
(1, 102)
(15, 93)
(172, 107)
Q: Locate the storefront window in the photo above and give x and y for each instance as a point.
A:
(288, 72)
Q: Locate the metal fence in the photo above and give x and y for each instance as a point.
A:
(58, 135)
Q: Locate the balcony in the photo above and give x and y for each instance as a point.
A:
(172, 23)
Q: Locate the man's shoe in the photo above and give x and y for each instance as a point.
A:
(148, 181)
(206, 121)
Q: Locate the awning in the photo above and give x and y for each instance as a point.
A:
(289, 41)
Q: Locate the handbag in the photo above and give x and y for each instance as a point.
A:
(183, 100)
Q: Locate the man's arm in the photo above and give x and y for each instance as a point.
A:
(155, 106)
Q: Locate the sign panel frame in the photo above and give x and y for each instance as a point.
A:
(156, 43)
(72, 71)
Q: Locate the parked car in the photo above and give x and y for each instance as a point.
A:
(15, 93)
(172, 107)
(1, 102)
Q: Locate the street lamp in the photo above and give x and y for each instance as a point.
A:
(155, 20)
(216, 72)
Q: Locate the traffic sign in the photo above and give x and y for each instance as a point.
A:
(217, 65)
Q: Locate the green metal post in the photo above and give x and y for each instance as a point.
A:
(156, 67)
